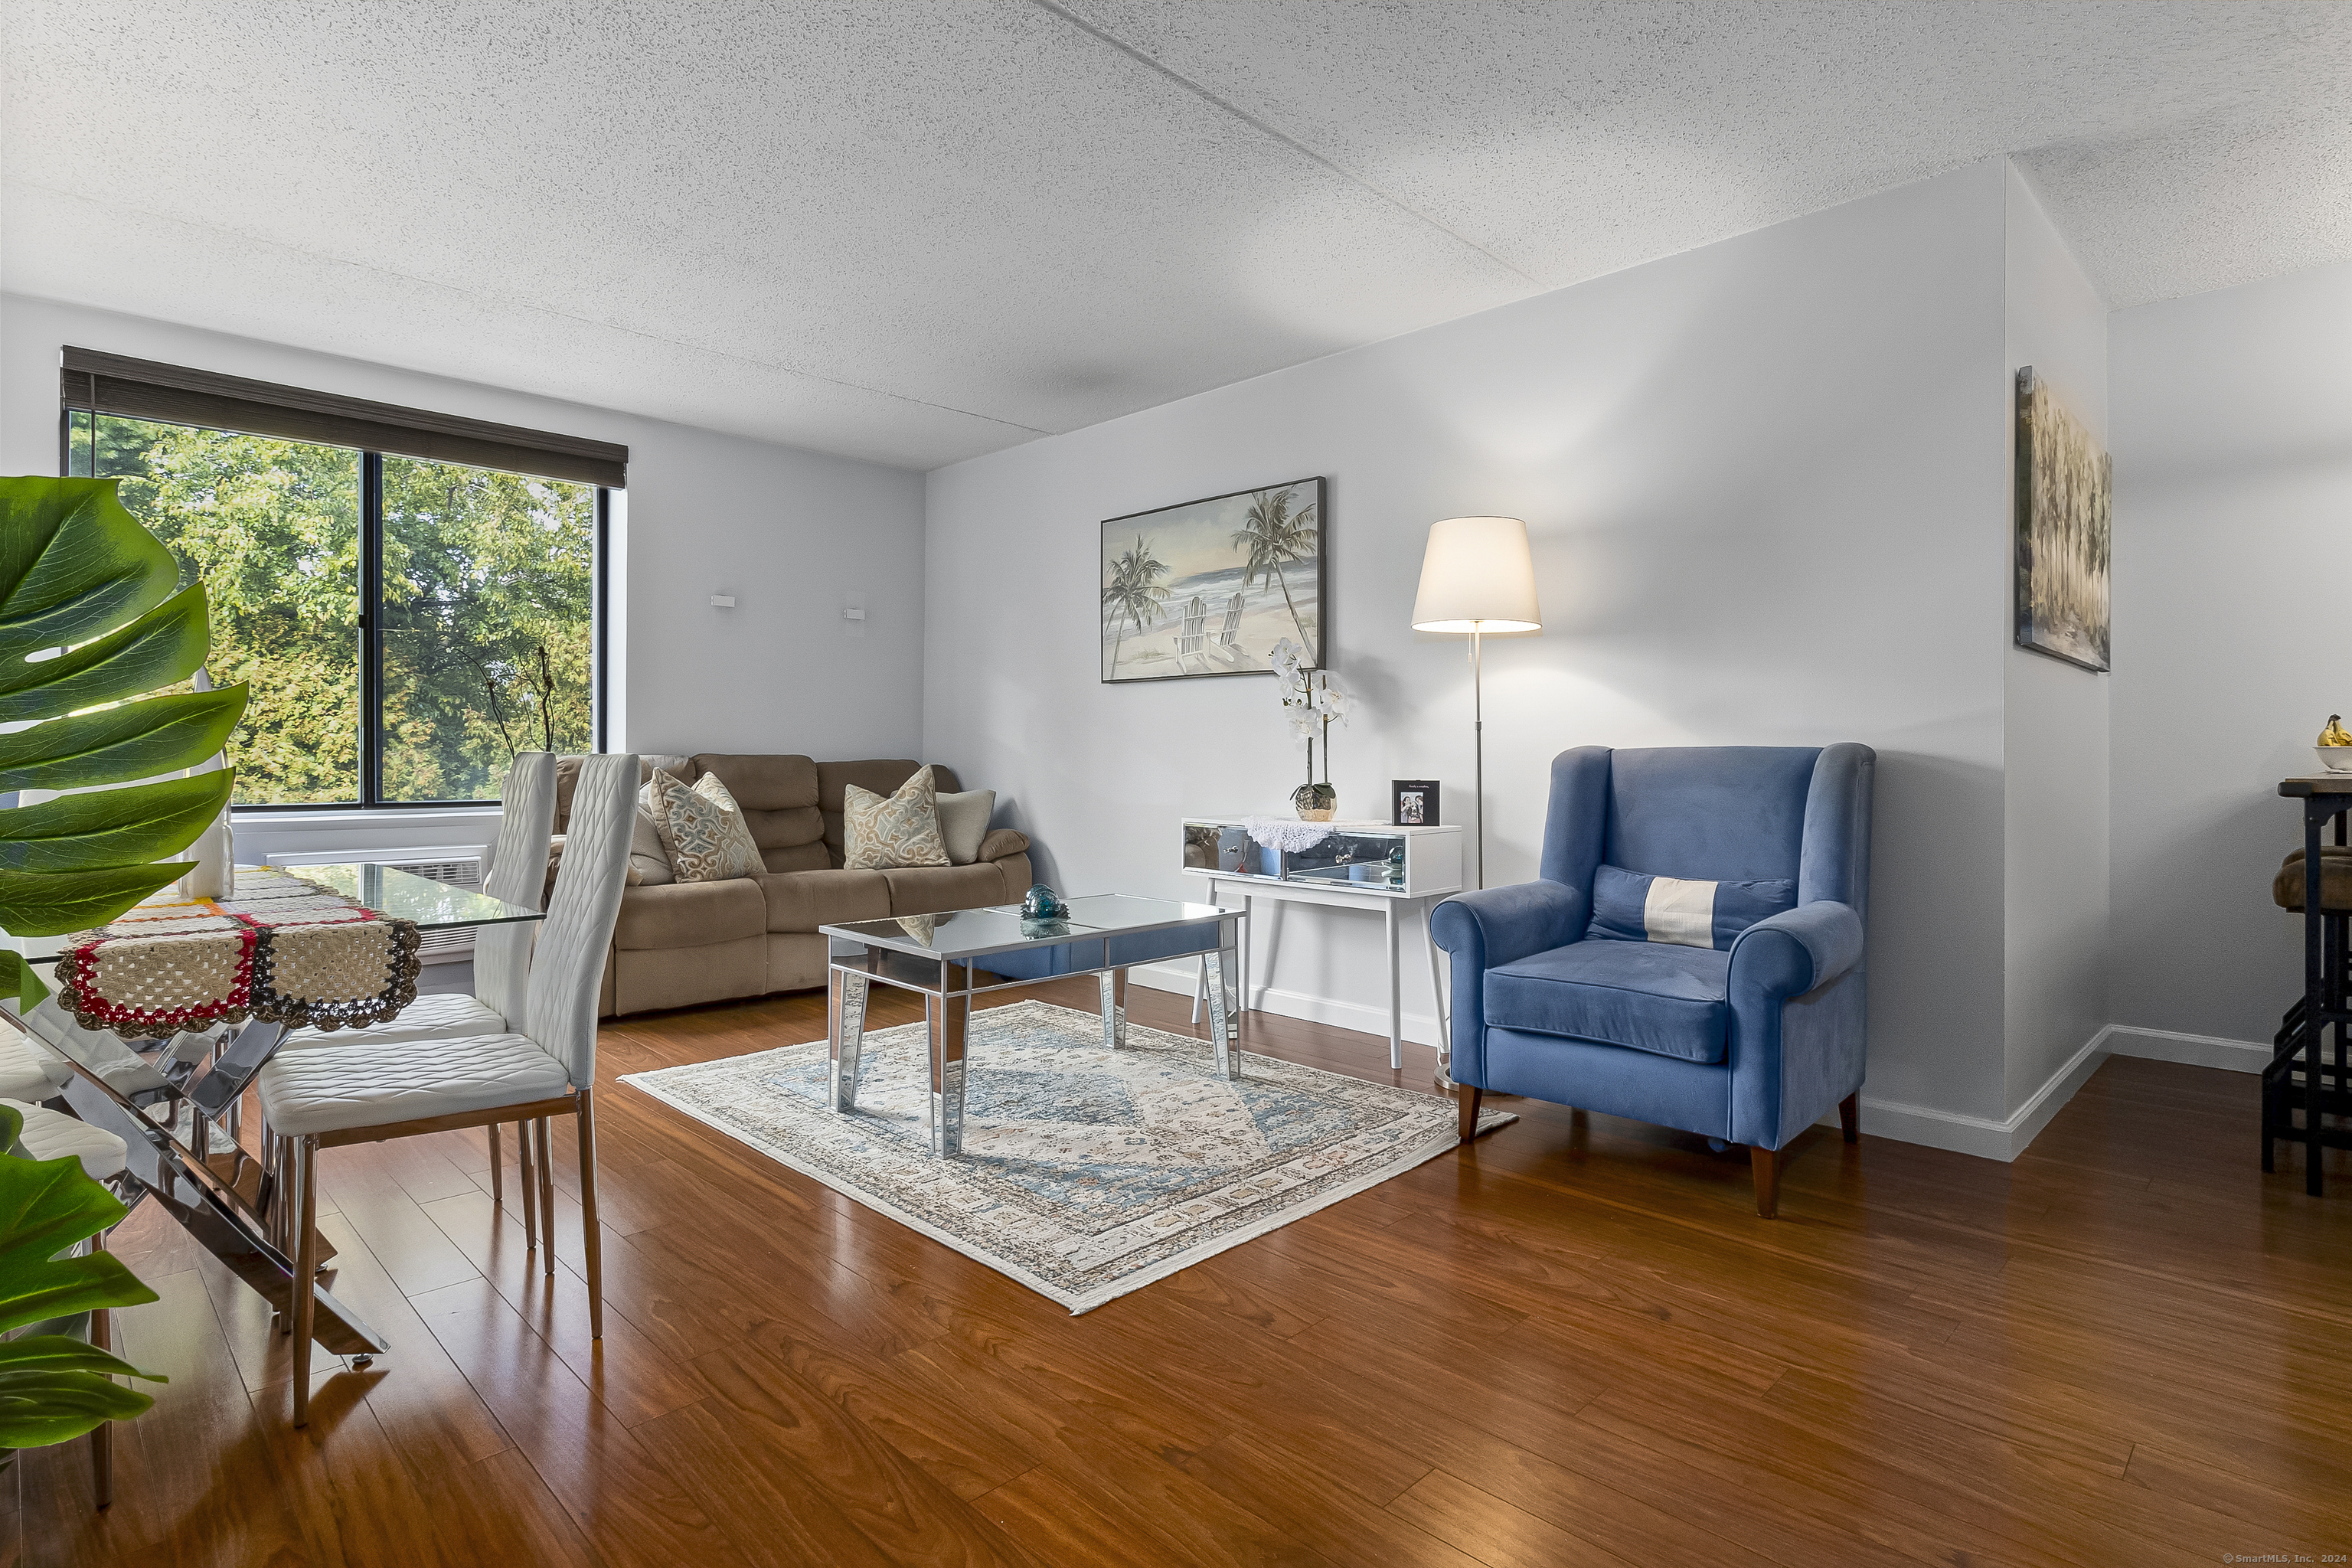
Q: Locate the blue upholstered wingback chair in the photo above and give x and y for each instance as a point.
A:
(1692, 954)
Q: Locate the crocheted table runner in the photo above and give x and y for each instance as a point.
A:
(277, 949)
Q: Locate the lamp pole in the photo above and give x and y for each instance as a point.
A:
(1478, 746)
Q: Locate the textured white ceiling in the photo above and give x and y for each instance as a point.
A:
(915, 232)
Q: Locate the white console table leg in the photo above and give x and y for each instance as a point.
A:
(1396, 1015)
(1436, 982)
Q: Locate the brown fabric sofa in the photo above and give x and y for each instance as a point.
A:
(685, 943)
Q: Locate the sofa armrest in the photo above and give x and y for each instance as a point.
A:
(1003, 842)
(1503, 925)
(1797, 951)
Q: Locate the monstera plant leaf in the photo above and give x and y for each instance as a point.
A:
(55, 1388)
(93, 621)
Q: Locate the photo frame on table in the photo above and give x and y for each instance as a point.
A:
(1208, 587)
(1412, 803)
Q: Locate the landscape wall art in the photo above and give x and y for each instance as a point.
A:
(1210, 586)
(2063, 531)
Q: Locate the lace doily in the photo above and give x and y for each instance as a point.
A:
(1287, 834)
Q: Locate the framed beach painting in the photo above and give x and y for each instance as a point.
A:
(1210, 586)
(2063, 484)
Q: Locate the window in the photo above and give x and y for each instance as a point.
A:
(406, 622)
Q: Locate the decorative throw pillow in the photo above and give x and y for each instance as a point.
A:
(649, 862)
(702, 830)
(881, 834)
(1633, 906)
(963, 822)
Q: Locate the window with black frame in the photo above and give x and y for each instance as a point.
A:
(407, 623)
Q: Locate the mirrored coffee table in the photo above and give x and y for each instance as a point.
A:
(937, 955)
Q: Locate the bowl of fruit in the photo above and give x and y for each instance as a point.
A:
(2335, 748)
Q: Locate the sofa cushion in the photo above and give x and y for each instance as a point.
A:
(803, 900)
(963, 822)
(934, 889)
(1650, 996)
(648, 861)
(882, 776)
(901, 829)
(690, 914)
(702, 829)
(778, 794)
(797, 858)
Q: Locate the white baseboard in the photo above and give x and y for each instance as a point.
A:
(2194, 1051)
(1979, 1135)
(1181, 976)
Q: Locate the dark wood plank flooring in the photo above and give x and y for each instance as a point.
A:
(1571, 1344)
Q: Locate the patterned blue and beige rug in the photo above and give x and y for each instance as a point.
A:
(1087, 1173)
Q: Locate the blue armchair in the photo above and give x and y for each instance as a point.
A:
(1692, 954)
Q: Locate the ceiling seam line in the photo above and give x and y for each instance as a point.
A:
(296, 250)
(1268, 128)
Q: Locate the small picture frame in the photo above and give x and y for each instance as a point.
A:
(1412, 803)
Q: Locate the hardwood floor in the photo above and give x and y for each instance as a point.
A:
(1571, 1344)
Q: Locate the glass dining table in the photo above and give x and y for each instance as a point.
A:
(176, 1111)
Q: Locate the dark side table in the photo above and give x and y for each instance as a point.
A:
(2326, 1087)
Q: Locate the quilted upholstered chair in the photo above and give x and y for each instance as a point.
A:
(1692, 953)
(501, 960)
(316, 1099)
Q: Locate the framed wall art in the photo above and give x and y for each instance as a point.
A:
(1210, 586)
(2063, 483)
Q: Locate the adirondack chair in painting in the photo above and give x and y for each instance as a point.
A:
(1224, 643)
(1191, 638)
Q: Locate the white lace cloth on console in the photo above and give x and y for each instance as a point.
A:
(1287, 834)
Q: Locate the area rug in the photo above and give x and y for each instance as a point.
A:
(1085, 1173)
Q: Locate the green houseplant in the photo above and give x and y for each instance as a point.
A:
(93, 621)
(56, 1387)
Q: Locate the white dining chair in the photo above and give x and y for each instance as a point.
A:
(314, 1100)
(501, 962)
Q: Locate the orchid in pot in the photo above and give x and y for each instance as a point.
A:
(1312, 701)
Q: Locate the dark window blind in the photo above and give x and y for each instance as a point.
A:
(143, 389)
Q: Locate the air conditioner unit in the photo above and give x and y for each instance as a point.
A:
(460, 867)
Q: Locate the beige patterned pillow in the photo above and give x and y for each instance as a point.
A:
(702, 829)
(881, 834)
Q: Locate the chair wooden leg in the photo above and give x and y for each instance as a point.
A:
(592, 1240)
(1466, 1098)
(497, 1171)
(1766, 1166)
(1850, 1116)
(529, 1186)
(546, 1196)
(306, 1273)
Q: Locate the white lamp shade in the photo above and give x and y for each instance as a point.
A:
(1478, 575)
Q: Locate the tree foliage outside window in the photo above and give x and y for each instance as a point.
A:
(486, 625)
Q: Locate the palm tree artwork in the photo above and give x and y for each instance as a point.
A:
(1275, 536)
(1206, 588)
(1133, 594)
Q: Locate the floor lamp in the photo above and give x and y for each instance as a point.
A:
(1477, 576)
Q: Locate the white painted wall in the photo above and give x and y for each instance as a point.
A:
(2233, 514)
(1767, 483)
(791, 534)
(2054, 936)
